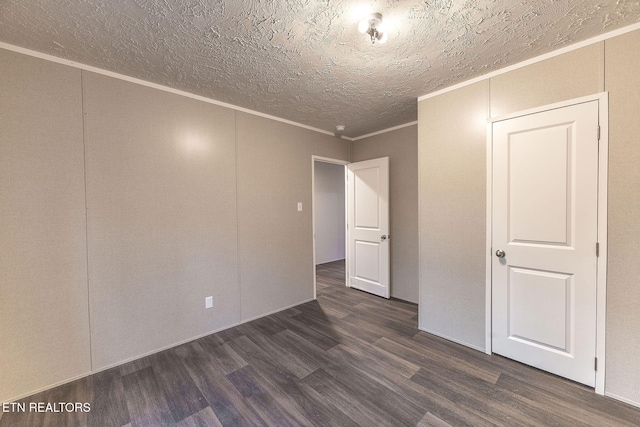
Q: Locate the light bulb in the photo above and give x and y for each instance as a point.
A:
(363, 26)
(383, 38)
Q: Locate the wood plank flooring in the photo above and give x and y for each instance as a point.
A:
(347, 359)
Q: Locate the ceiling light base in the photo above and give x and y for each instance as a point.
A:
(372, 25)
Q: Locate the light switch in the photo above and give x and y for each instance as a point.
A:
(299, 206)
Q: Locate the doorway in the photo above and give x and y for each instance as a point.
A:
(547, 238)
(329, 213)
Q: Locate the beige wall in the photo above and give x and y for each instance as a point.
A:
(184, 200)
(401, 146)
(453, 213)
(161, 199)
(44, 324)
(275, 240)
(572, 75)
(450, 177)
(623, 270)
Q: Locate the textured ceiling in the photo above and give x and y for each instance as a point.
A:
(304, 60)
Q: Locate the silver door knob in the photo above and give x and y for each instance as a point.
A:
(500, 253)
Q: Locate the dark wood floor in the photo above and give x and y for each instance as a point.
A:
(347, 359)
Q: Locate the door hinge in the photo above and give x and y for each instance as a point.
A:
(598, 132)
(595, 364)
(597, 249)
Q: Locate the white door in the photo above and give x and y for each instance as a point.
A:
(368, 226)
(545, 190)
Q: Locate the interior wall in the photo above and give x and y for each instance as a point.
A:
(610, 66)
(622, 59)
(568, 76)
(161, 203)
(452, 135)
(275, 240)
(184, 200)
(452, 147)
(329, 212)
(401, 146)
(44, 319)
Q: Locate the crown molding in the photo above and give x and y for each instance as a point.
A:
(537, 59)
(119, 76)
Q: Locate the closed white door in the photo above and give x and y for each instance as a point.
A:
(545, 189)
(368, 226)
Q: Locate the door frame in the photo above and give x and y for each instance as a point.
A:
(315, 159)
(601, 279)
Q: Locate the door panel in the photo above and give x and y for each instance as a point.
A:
(368, 226)
(366, 261)
(532, 152)
(545, 171)
(536, 295)
(367, 187)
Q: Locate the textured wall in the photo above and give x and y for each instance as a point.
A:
(623, 292)
(453, 176)
(329, 212)
(572, 75)
(452, 186)
(184, 200)
(162, 235)
(611, 66)
(401, 146)
(275, 240)
(44, 325)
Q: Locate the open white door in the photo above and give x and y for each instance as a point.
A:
(545, 229)
(368, 226)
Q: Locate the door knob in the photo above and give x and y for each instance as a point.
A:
(383, 237)
(500, 253)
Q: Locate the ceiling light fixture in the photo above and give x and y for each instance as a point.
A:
(372, 25)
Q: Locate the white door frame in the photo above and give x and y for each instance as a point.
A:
(315, 159)
(603, 164)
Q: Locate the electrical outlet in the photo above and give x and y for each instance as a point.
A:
(299, 206)
(208, 302)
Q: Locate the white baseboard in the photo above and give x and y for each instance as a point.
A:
(59, 383)
(481, 349)
(131, 359)
(623, 399)
(251, 319)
